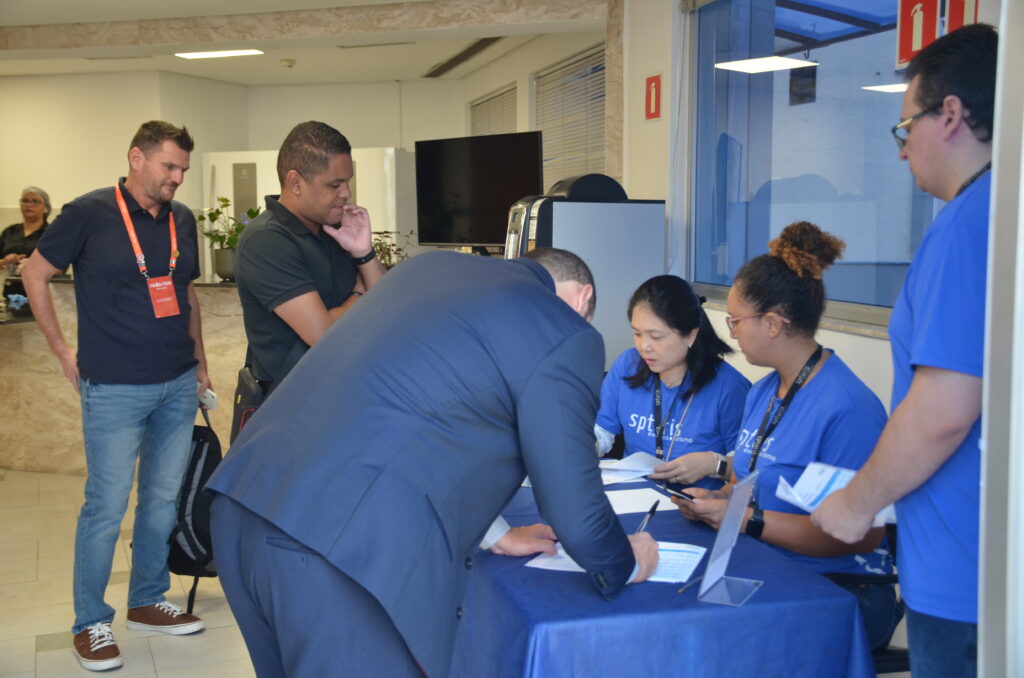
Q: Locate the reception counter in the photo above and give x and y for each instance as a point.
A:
(42, 415)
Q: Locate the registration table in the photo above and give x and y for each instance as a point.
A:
(526, 622)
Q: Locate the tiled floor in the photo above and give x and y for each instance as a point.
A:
(37, 532)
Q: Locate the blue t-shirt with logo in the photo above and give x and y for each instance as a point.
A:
(835, 419)
(939, 321)
(710, 424)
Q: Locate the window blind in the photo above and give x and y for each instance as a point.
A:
(570, 115)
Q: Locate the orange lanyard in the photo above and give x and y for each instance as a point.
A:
(140, 258)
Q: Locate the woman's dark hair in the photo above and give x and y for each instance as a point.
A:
(787, 280)
(673, 300)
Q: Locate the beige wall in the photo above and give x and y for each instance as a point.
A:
(647, 45)
(215, 115)
(69, 134)
(42, 428)
(379, 114)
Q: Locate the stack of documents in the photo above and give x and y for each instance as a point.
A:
(676, 562)
(817, 482)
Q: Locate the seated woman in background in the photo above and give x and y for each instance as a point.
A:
(19, 240)
(673, 395)
(812, 407)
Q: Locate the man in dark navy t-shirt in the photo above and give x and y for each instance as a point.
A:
(303, 263)
(139, 368)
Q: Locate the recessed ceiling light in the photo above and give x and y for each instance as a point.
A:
(217, 55)
(897, 87)
(376, 44)
(764, 64)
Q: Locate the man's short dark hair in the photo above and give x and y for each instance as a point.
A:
(308, 149)
(564, 266)
(962, 63)
(152, 135)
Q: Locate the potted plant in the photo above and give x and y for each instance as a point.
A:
(388, 251)
(223, 231)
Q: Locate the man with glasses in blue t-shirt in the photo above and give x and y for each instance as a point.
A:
(928, 459)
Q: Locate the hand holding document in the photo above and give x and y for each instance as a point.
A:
(817, 482)
(633, 467)
(676, 562)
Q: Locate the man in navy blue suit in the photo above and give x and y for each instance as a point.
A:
(350, 508)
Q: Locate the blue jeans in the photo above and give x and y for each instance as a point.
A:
(941, 647)
(880, 609)
(122, 424)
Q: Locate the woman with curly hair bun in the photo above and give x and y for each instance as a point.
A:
(811, 407)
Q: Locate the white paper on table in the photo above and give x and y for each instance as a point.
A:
(638, 501)
(676, 562)
(817, 482)
(636, 465)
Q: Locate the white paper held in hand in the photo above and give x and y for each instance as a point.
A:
(817, 482)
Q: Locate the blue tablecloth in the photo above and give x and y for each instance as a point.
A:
(524, 622)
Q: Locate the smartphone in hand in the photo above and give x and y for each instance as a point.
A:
(679, 493)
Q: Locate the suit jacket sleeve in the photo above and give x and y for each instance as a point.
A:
(555, 414)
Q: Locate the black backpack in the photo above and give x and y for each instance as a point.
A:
(191, 552)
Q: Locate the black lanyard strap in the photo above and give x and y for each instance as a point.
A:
(659, 425)
(762, 431)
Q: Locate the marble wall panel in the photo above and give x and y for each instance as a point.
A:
(41, 428)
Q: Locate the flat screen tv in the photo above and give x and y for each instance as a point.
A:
(465, 186)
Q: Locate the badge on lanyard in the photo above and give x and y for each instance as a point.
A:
(161, 290)
(161, 293)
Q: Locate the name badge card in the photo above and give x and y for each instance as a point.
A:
(161, 293)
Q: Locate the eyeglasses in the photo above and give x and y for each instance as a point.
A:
(732, 321)
(901, 130)
(31, 201)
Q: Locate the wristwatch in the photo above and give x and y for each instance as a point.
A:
(366, 258)
(755, 525)
(721, 467)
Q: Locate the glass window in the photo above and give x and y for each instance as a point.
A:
(570, 116)
(494, 113)
(805, 143)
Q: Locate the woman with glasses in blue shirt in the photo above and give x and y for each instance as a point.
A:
(811, 407)
(673, 395)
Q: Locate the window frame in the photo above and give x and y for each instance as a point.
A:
(853, 318)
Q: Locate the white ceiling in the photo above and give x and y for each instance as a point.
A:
(350, 58)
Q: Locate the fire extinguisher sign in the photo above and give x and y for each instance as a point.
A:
(917, 26)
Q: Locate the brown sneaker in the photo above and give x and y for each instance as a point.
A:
(95, 648)
(164, 617)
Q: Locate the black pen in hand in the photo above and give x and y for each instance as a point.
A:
(647, 518)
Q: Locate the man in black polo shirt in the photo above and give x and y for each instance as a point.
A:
(139, 367)
(297, 272)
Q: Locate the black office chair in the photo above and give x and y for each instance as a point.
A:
(891, 659)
